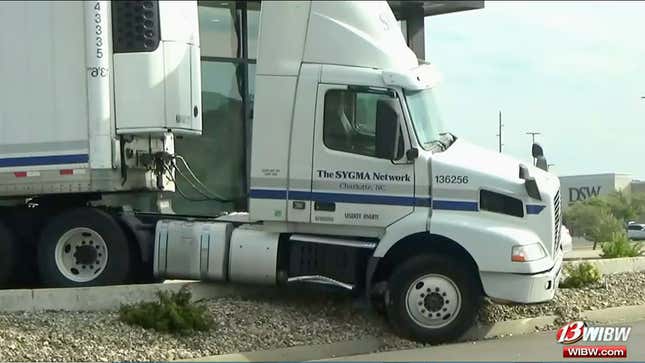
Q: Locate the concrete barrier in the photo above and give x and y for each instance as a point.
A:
(104, 298)
(615, 265)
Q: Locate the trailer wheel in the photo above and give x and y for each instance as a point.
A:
(8, 250)
(83, 247)
(432, 299)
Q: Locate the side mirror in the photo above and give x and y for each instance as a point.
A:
(388, 130)
(541, 163)
(536, 150)
(538, 155)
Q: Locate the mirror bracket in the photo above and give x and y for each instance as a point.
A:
(530, 183)
(412, 154)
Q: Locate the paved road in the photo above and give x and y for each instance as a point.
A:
(532, 347)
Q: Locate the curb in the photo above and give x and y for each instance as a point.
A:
(509, 327)
(104, 298)
(621, 314)
(614, 265)
(299, 353)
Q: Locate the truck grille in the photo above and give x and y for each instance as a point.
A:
(557, 221)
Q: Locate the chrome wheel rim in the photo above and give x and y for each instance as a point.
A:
(433, 301)
(81, 254)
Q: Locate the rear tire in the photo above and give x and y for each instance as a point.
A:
(8, 255)
(433, 299)
(83, 247)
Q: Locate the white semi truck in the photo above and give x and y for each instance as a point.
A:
(354, 182)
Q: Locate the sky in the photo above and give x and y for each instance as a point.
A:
(574, 71)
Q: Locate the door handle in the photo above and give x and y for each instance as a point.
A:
(325, 206)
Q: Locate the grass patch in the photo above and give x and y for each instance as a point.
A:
(580, 275)
(173, 313)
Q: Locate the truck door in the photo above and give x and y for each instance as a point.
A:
(360, 176)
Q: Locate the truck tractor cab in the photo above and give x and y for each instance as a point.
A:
(348, 143)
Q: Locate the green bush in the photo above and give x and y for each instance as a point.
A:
(620, 246)
(580, 275)
(593, 222)
(173, 313)
(625, 206)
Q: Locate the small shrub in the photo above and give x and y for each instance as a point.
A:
(173, 313)
(580, 275)
(620, 246)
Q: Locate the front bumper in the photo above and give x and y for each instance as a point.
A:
(523, 288)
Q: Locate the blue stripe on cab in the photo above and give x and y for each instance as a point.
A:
(455, 205)
(44, 160)
(424, 202)
(534, 208)
(339, 197)
(299, 195)
(362, 199)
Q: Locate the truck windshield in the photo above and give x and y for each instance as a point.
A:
(425, 116)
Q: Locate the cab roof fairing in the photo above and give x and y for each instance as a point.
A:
(356, 33)
(416, 79)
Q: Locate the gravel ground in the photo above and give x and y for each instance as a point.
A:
(613, 290)
(260, 323)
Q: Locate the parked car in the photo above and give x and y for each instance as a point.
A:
(636, 231)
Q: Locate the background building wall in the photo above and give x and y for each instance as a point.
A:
(637, 186)
(576, 188)
(623, 182)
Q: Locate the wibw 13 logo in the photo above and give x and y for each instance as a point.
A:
(578, 330)
(571, 333)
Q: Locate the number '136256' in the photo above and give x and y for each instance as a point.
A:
(451, 179)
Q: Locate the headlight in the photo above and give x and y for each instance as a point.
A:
(527, 253)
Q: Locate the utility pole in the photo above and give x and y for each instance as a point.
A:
(533, 133)
(500, 131)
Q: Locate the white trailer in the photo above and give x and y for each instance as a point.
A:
(85, 102)
(91, 91)
(354, 182)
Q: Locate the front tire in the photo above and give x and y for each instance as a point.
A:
(83, 247)
(433, 299)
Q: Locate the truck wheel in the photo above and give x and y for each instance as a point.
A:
(432, 299)
(83, 247)
(8, 251)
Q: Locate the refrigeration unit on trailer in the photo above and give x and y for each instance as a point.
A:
(354, 183)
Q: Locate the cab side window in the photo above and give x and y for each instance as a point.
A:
(350, 122)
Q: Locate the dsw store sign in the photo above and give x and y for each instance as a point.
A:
(582, 193)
